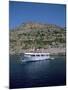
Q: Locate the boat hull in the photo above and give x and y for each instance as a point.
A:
(37, 58)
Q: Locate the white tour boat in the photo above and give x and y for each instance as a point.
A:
(35, 56)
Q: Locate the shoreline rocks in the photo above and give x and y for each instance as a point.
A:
(52, 51)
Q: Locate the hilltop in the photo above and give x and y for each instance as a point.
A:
(33, 36)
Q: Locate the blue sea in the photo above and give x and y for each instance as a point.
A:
(37, 74)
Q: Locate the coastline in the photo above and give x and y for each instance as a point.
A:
(52, 51)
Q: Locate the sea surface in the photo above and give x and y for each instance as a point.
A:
(37, 74)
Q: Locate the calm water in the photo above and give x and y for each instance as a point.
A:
(37, 74)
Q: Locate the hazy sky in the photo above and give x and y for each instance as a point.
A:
(20, 12)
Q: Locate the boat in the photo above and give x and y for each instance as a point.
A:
(35, 56)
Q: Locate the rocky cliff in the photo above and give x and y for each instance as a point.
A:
(33, 35)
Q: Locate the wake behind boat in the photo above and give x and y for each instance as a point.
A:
(35, 56)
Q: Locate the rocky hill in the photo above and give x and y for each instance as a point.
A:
(36, 36)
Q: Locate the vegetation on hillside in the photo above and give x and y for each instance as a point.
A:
(36, 36)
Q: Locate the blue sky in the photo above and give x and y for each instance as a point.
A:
(20, 12)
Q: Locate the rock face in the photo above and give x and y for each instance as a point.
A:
(36, 36)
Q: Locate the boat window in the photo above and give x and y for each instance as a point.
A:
(42, 55)
(37, 55)
(32, 55)
(47, 55)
